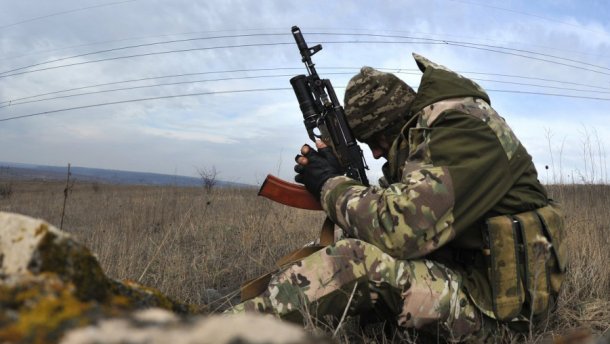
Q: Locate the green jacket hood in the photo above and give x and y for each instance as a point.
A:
(439, 83)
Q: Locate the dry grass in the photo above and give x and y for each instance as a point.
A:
(184, 241)
(585, 298)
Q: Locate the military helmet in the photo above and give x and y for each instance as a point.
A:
(375, 100)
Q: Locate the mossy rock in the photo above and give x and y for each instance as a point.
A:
(50, 283)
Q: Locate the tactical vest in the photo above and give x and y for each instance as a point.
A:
(522, 258)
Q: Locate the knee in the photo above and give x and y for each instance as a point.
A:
(358, 245)
(348, 242)
(356, 250)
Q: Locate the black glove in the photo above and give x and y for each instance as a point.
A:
(321, 166)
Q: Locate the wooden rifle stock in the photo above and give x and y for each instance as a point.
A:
(290, 194)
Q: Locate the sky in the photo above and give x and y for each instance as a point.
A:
(248, 124)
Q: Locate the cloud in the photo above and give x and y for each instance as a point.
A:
(259, 128)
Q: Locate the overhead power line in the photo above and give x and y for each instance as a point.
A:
(158, 85)
(139, 46)
(126, 39)
(421, 40)
(156, 78)
(64, 12)
(451, 42)
(281, 30)
(16, 103)
(141, 100)
(527, 14)
(535, 58)
(536, 78)
(457, 43)
(193, 49)
(147, 54)
(248, 91)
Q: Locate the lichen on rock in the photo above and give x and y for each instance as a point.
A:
(50, 283)
(40, 308)
(33, 246)
(53, 290)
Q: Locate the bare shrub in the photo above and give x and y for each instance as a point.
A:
(6, 186)
(67, 191)
(6, 190)
(208, 177)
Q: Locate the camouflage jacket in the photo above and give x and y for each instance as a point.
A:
(458, 164)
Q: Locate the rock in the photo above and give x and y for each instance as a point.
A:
(40, 308)
(50, 283)
(157, 326)
(33, 246)
(52, 289)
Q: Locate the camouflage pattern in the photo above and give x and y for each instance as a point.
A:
(375, 100)
(553, 223)
(418, 294)
(445, 174)
(478, 108)
(414, 212)
(425, 64)
(523, 238)
(436, 297)
(537, 251)
(506, 284)
(406, 220)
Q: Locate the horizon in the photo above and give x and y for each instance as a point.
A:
(92, 174)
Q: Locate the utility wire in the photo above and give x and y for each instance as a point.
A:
(18, 101)
(457, 43)
(147, 54)
(156, 78)
(526, 14)
(488, 48)
(424, 39)
(535, 78)
(158, 85)
(252, 90)
(264, 29)
(14, 103)
(548, 94)
(291, 43)
(40, 52)
(64, 12)
(481, 46)
(141, 100)
(198, 49)
(140, 46)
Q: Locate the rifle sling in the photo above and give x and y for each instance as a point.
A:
(258, 285)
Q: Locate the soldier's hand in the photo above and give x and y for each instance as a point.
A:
(314, 168)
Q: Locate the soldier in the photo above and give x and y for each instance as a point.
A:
(458, 238)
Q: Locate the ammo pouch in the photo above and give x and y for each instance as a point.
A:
(527, 259)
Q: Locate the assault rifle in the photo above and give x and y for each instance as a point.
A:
(325, 120)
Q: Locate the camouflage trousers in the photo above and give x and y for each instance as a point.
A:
(357, 276)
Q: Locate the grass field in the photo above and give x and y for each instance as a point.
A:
(184, 240)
